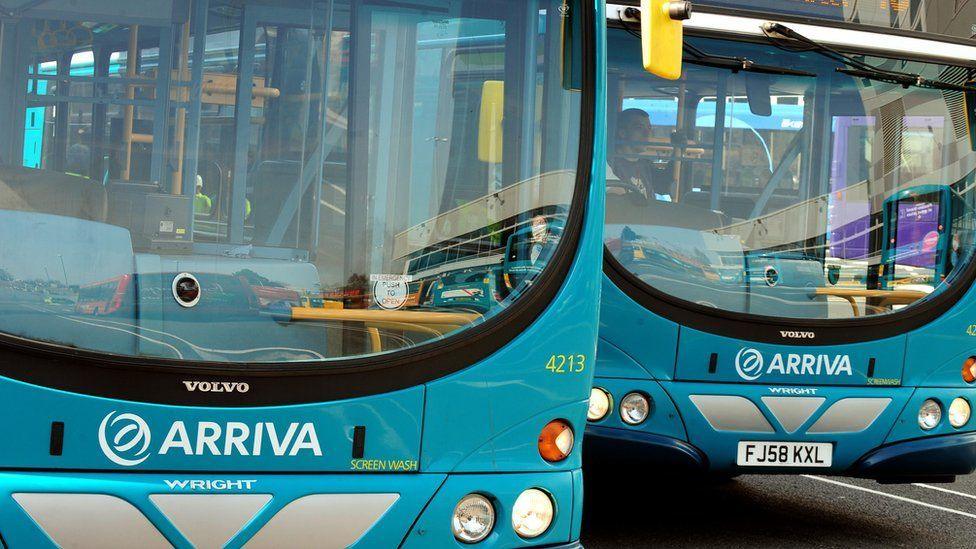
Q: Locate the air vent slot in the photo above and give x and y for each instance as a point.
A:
(892, 118)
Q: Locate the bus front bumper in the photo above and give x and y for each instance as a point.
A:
(605, 445)
(935, 459)
(50, 509)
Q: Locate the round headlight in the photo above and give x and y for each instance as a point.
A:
(600, 404)
(473, 519)
(929, 415)
(532, 513)
(634, 408)
(556, 440)
(959, 412)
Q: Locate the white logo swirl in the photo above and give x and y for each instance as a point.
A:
(130, 440)
(749, 364)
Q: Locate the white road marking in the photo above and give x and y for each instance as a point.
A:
(892, 496)
(946, 490)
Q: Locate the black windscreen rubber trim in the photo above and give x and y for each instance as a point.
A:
(750, 327)
(161, 381)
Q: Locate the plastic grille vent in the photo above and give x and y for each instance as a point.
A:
(892, 118)
(956, 101)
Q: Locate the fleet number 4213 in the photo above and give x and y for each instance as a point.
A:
(566, 364)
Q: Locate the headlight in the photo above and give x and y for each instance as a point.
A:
(556, 440)
(473, 519)
(600, 404)
(959, 412)
(634, 408)
(929, 415)
(532, 513)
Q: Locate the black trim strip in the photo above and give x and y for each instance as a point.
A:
(766, 329)
(161, 380)
(358, 442)
(57, 438)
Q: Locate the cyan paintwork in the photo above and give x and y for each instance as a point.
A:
(392, 424)
(695, 348)
(612, 362)
(934, 353)
(516, 449)
(645, 337)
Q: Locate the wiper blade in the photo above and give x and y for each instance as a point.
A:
(736, 64)
(906, 80)
(859, 68)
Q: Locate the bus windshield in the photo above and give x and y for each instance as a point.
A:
(288, 181)
(809, 194)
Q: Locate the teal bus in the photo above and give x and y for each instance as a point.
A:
(263, 372)
(789, 242)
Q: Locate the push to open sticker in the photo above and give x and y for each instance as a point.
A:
(390, 290)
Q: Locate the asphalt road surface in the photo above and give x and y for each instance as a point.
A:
(777, 511)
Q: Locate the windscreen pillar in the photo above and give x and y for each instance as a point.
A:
(13, 87)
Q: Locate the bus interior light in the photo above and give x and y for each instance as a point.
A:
(473, 519)
(532, 513)
(929, 415)
(600, 404)
(556, 441)
(969, 370)
(959, 412)
(634, 408)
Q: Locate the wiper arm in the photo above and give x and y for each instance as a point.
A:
(906, 80)
(859, 68)
(736, 64)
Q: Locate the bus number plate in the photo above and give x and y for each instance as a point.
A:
(784, 454)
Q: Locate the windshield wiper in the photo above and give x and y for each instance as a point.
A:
(736, 64)
(744, 65)
(859, 68)
(905, 80)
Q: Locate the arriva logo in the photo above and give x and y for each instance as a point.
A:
(750, 364)
(125, 439)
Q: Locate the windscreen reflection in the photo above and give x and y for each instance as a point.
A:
(809, 194)
(339, 178)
